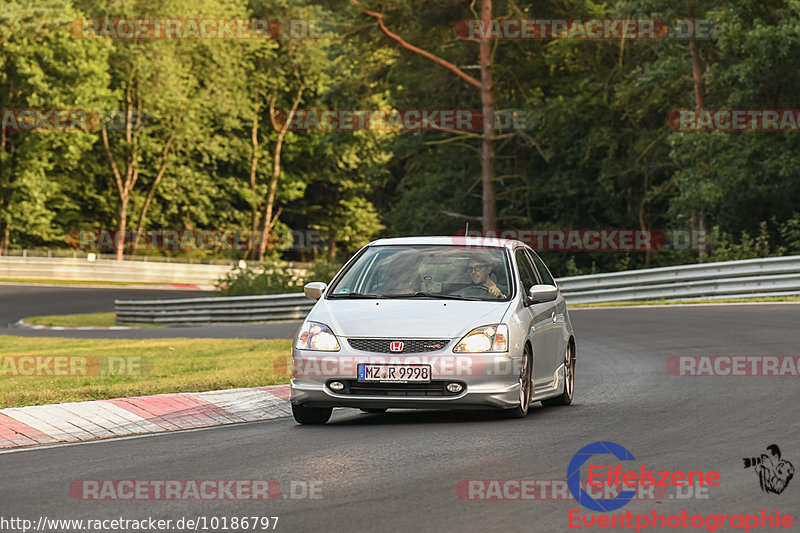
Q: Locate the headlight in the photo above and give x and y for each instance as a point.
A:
(316, 336)
(492, 338)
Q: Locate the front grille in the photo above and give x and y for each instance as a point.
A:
(354, 387)
(409, 346)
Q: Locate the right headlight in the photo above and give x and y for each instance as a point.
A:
(493, 338)
(316, 336)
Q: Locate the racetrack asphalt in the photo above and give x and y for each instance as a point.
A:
(20, 301)
(399, 471)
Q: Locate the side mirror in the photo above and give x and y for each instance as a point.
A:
(315, 289)
(542, 293)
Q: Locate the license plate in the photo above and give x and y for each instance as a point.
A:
(386, 373)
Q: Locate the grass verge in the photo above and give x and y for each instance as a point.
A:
(162, 365)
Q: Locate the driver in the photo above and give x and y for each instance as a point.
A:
(479, 269)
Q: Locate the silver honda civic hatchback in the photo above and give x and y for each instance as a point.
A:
(434, 322)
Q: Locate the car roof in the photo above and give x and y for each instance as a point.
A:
(455, 240)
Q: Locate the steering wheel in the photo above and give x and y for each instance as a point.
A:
(481, 289)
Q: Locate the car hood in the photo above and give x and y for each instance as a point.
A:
(406, 318)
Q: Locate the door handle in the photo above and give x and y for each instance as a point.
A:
(553, 316)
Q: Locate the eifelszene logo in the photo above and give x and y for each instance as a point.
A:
(600, 475)
(574, 476)
(774, 473)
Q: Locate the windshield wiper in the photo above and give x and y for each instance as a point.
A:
(424, 294)
(355, 295)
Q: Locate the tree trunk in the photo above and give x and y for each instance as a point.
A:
(485, 85)
(700, 103)
(269, 220)
(253, 169)
(125, 186)
(122, 214)
(4, 240)
(702, 250)
(489, 216)
(697, 75)
(6, 227)
(643, 216)
(331, 245)
(152, 192)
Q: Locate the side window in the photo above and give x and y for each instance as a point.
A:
(544, 274)
(526, 270)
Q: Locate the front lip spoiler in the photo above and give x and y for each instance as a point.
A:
(504, 398)
(482, 406)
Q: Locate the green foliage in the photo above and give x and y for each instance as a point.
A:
(275, 278)
(322, 271)
(773, 239)
(790, 235)
(597, 154)
(725, 249)
(38, 169)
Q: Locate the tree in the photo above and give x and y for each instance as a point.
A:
(486, 87)
(168, 93)
(42, 67)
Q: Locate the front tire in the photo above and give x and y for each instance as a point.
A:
(311, 415)
(525, 387)
(565, 398)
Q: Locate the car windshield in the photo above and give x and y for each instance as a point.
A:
(440, 272)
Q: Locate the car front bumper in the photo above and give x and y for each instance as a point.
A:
(490, 381)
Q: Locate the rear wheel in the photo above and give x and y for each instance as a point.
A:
(525, 387)
(373, 410)
(311, 415)
(565, 398)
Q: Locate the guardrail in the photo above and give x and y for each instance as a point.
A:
(274, 307)
(81, 269)
(771, 276)
(143, 257)
(774, 276)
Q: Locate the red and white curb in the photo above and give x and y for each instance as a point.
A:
(82, 421)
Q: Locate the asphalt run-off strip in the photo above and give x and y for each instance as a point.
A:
(83, 421)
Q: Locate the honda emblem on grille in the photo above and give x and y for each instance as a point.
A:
(396, 346)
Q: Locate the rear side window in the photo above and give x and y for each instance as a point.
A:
(544, 274)
(526, 271)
